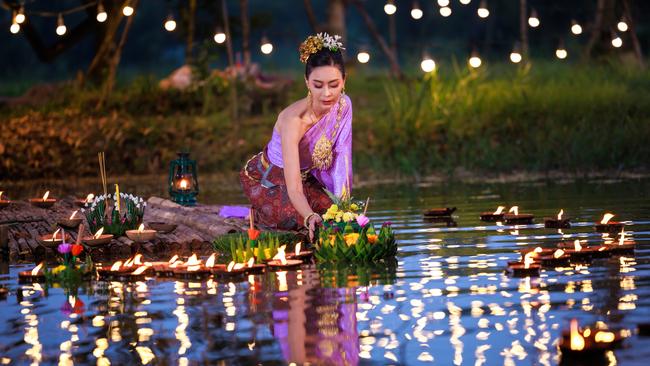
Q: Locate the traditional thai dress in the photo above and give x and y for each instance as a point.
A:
(325, 162)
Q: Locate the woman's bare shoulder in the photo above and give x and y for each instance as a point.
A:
(291, 114)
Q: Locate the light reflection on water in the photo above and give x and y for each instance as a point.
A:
(445, 299)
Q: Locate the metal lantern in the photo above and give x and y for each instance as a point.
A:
(183, 180)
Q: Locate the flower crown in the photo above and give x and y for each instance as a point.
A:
(316, 43)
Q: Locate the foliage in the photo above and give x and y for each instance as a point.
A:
(363, 245)
(115, 222)
(240, 248)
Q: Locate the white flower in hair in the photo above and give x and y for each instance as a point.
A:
(333, 43)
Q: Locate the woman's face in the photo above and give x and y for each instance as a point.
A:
(326, 84)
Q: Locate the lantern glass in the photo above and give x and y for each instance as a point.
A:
(183, 180)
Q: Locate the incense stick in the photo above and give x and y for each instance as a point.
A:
(250, 217)
(365, 208)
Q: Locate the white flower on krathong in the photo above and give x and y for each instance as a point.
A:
(83, 210)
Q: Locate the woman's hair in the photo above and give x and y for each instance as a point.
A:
(325, 57)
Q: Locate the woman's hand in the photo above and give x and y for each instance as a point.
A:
(312, 223)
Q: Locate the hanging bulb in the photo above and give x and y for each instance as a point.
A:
(219, 36)
(465, 2)
(127, 10)
(445, 11)
(622, 25)
(15, 27)
(475, 60)
(616, 40)
(416, 12)
(427, 65)
(170, 23)
(266, 47)
(515, 55)
(533, 20)
(483, 11)
(60, 28)
(363, 57)
(561, 53)
(20, 16)
(390, 8)
(576, 28)
(101, 13)
(443, 3)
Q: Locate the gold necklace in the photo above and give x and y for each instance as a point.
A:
(321, 157)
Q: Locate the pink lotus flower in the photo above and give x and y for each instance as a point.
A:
(64, 248)
(362, 220)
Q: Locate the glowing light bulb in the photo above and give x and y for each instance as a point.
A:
(622, 26)
(443, 3)
(170, 23)
(390, 8)
(533, 20)
(20, 17)
(576, 28)
(465, 2)
(416, 13)
(445, 11)
(561, 53)
(60, 28)
(475, 62)
(483, 11)
(428, 65)
(363, 57)
(515, 57)
(266, 46)
(617, 41)
(14, 28)
(127, 10)
(220, 37)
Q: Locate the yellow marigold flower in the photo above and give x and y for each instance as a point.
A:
(267, 253)
(348, 216)
(58, 269)
(351, 239)
(332, 239)
(372, 238)
(354, 207)
(339, 216)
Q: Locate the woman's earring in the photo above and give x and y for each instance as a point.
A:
(309, 96)
(343, 90)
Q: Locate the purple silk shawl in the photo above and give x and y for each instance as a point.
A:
(334, 178)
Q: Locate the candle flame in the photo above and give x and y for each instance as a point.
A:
(173, 259)
(586, 333)
(1, 192)
(251, 262)
(137, 259)
(54, 235)
(98, 233)
(183, 184)
(558, 253)
(46, 195)
(193, 260)
(90, 197)
(621, 240)
(37, 269)
(606, 218)
(231, 265)
(577, 342)
(514, 210)
(528, 259)
(603, 336)
(139, 271)
(141, 228)
(298, 248)
(577, 246)
(116, 266)
(210, 262)
(281, 256)
(128, 263)
(559, 215)
(73, 215)
(238, 266)
(499, 210)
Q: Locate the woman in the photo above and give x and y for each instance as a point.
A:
(310, 149)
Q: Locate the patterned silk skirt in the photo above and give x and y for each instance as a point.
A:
(264, 185)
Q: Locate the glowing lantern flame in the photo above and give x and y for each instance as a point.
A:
(577, 342)
(280, 256)
(210, 262)
(116, 266)
(621, 241)
(514, 210)
(499, 210)
(606, 218)
(559, 215)
(173, 259)
(37, 269)
(47, 194)
(54, 235)
(141, 228)
(98, 233)
(298, 248)
(183, 184)
(606, 337)
(90, 197)
(73, 215)
(577, 246)
(139, 271)
(231, 265)
(528, 259)
(136, 259)
(558, 253)
(251, 262)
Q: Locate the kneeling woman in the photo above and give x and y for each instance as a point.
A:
(310, 149)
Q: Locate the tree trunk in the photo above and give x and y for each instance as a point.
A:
(245, 30)
(100, 64)
(234, 104)
(523, 28)
(336, 18)
(189, 47)
(396, 71)
(604, 20)
(632, 25)
(311, 17)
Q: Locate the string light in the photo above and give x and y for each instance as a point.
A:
(20, 17)
(465, 2)
(576, 28)
(427, 65)
(390, 8)
(266, 46)
(101, 13)
(475, 60)
(515, 55)
(15, 27)
(622, 25)
(561, 52)
(416, 12)
(443, 3)
(616, 40)
(170, 23)
(363, 57)
(483, 11)
(533, 20)
(445, 11)
(60, 28)
(219, 36)
(127, 10)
